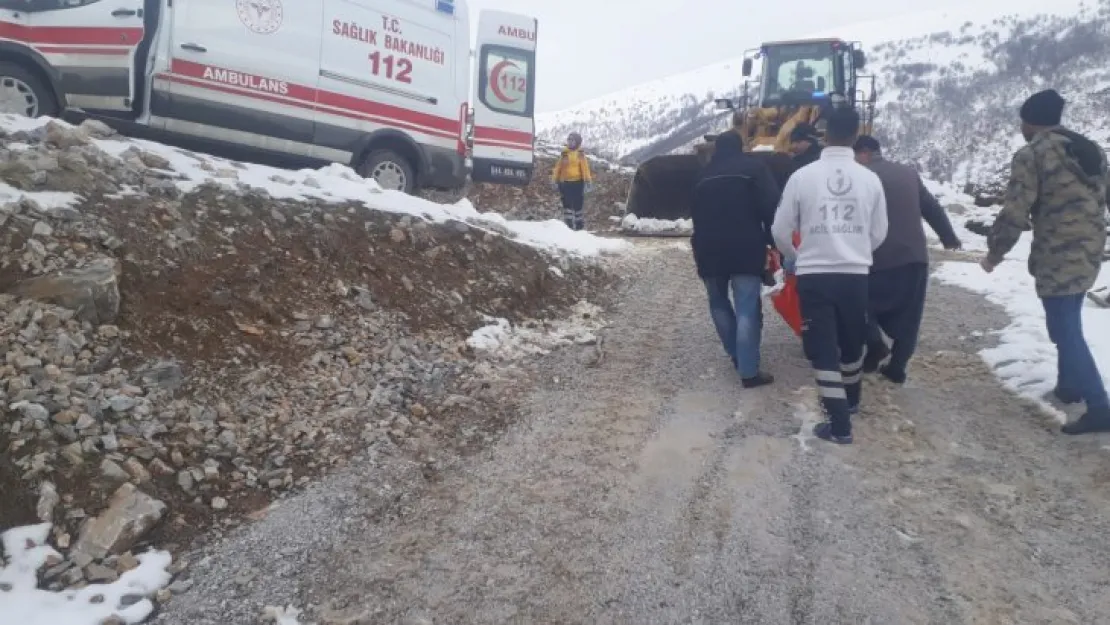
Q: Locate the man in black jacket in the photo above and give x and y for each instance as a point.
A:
(900, 273)
(733, 208)
(805, 145)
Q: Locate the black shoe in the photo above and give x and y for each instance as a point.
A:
(824, 432)
(874, 357)
(1094, 420)
(759, 379)
(898, 377)
(1067, 395)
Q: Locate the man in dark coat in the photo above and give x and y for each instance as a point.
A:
(733, 208)
(900, 270)
(805, 145)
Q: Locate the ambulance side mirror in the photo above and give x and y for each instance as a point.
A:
(858, 59)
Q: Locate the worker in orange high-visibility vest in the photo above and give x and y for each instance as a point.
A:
(572, 179)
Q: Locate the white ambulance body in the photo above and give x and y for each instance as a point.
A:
(381, 85)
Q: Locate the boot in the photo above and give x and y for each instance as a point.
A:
(1094, 420)
(824, 432)
(759, 379)
(898, 377)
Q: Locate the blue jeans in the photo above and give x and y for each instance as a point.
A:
(1076, 369)
(739, 328)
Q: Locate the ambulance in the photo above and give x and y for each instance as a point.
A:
(384, 86)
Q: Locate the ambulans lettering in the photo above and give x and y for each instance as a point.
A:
(351, 30)
(249, 81)
(516, 33)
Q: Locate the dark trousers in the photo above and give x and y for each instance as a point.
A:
(834, 330)
(573, 195)
(896, 298)
(1076, 369)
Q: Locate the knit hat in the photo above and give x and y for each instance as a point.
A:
(867, 143)
(1044, 108)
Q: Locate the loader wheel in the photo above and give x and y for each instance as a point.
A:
(24, 93)
(390, 170)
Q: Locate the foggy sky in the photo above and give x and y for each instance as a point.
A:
(589, 48)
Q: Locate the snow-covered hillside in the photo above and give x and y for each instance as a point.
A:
(949, 86)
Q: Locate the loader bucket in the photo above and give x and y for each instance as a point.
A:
(663, 187)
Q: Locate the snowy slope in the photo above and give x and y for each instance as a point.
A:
(949, 83)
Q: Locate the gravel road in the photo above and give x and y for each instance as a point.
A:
(653, 489)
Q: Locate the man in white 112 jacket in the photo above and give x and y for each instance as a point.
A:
(838, 208)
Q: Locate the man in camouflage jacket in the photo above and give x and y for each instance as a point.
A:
(1058, 184)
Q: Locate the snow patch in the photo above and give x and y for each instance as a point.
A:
(502, 339)
(21, 601)
(338, 184)
(648, 225)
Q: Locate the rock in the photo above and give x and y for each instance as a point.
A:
(219, 503)
(42, 229)
(112, 471)
(98, 573)
(130, 514)
(165, 374)
(91, 291)
(96, 129)
(33, 411)
(185, 481)
(136, 470)
(180, 586)
(127, 562)
(122, 403)
(64, 136)
(48, 500)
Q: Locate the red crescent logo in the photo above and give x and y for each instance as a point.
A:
(495, 77)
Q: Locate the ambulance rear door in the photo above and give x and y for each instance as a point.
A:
(91, 44)
(504, 99)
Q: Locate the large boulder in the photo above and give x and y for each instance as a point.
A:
(91, 291)
(130, 514)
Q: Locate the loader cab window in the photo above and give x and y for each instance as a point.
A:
(795, 73)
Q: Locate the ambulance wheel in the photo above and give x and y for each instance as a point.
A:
(390, 170)
(23, 93)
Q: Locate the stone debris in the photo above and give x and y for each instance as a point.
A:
(130, 514)
(169, 350)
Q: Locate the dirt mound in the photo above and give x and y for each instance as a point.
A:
(215, 345)
(538, 201)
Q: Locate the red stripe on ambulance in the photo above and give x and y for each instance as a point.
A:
(252, 85)
(71, 35)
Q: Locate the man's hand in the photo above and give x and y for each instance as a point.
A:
(954, 244)
(987, 264)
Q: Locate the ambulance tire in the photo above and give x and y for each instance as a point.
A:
(47, 104)
(391, 166)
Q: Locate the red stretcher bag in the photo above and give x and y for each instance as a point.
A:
(786, 301)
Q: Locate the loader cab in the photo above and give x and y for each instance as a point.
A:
(806, 73)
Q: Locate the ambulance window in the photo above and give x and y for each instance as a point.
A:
(506, 76)
(37, 6)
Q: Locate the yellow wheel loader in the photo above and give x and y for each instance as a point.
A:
(800, 82)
